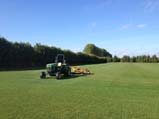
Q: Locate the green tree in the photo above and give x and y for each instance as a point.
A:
(91, 49)
(5, 48)
(154, 59)
(133, 59)
(125, 58)
(116, 59)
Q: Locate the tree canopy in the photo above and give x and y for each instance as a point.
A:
(24, 55)
(92, 49)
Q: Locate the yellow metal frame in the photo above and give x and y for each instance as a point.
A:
(79, 70)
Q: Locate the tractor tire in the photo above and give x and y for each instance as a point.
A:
(68, 73)
(42, 75)
(58, 75)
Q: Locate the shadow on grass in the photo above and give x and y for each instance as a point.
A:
(74, 76)
(21, 69)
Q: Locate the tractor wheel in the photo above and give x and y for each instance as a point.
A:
(58, 75)
(42, 75)
(69, 72)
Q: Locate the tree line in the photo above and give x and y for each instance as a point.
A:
(24, 55)
(133, 59)
(91, 49)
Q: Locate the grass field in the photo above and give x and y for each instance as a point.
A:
(115, 91)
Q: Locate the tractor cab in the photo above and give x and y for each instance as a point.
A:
(60, 58)
(59, 68)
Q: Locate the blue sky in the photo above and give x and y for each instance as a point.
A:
(123, 27)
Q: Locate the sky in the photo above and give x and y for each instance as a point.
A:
(122, 27)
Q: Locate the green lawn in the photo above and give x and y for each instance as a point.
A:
(115, 91)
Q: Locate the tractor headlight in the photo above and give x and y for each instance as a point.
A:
(59, 64)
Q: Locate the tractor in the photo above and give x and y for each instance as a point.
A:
(59, 68)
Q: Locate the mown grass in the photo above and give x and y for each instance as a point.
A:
(114, 91)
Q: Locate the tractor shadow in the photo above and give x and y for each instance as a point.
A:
(74, 76)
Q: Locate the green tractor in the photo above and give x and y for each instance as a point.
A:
(59, 68)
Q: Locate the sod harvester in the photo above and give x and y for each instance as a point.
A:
(61, 68)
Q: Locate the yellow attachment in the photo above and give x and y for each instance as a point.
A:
(79, 70)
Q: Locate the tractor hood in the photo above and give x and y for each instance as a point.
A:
(51, 64)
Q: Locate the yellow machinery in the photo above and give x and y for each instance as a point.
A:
(79, 70)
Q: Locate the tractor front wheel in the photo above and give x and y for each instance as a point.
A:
(58, 75)
(42, 75)
(69, 72)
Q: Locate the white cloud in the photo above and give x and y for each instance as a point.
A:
(130, 26)
(157, 54)
(98, 5)
(126, 26)
(141, 25)
(124, 52)
(104, 3)
(79, 49)
(151, 5)
(93, 24)
(130, 52)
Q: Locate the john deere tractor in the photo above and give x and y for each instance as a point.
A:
(59, 68)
